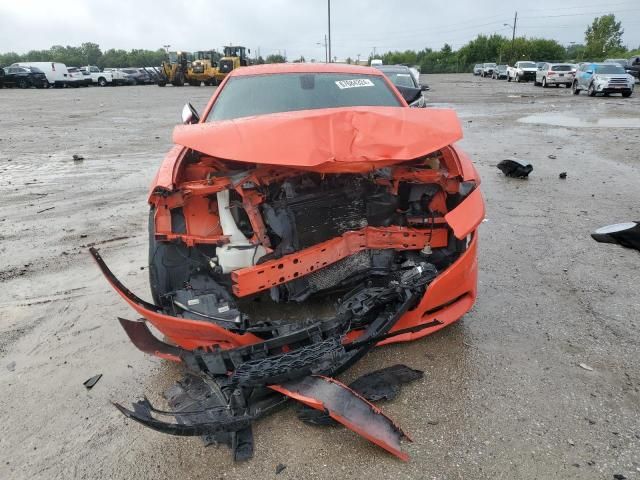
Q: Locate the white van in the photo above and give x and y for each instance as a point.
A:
(376, 61)
(56, 73)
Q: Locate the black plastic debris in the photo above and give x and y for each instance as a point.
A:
(11, 366)
(280, 468)
(624, 234)
(383, 384)
(89, 384)
(563, 175)
(77, 158)
(512, 167)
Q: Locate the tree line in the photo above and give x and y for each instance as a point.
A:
(90, 54)
(603, 39)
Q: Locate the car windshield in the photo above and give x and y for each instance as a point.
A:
(489, 64)
(501, 67)
(404, 79)
(527, 65)
(561, 68)
(35, 70)
(250, 95)
(613, 68)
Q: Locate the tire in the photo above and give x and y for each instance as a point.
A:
(102, 82)
(626, 94)
(23, 83)
(517, 78)
(162, 83)
(575, 89)
(536, 83)
(591, 91)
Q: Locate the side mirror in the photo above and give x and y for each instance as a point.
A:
(589, 72)
(424, 87)
(249, 51)
(189, 115)
(409, 94)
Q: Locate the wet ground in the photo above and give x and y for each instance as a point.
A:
(504, 395)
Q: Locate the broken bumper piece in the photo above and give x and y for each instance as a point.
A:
(230, 388)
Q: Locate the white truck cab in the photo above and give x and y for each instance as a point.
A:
(523, 71)
(99, 78)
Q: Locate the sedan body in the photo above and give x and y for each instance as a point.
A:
(24, 77)
(302, 186)
(555, 74)
(500, 72)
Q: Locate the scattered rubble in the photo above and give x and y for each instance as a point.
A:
(514, 168)
(90, 383)
(625, 234)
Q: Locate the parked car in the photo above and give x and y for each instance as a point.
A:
(98, 77)
(633, 67)
(487, 69)
(139, 76)
(24, 77)
(500, 72)
(119, 77)
(477, 69)
(56, 73)
(603, 78)
(623, 62)
(402, 77)
(1, 77)
(301, 183)
(78, 78)
(554, 74)
(522, 72)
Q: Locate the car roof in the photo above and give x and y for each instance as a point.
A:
(273, 68)
(392, 68)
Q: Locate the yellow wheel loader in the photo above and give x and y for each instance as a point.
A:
(234, 57)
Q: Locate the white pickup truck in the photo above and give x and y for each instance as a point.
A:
(522, 72)
(99, 78)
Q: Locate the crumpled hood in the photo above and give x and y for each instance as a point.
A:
(329, 140)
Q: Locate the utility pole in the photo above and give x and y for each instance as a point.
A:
(329, 24)
(513, 37)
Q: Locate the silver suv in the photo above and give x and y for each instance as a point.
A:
(603, 78)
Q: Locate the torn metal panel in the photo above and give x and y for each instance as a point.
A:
(348, 408)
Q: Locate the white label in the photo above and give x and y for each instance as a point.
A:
(193, 301)
(223, 309)
(354, 83)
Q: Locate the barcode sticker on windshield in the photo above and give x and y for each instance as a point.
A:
(354, 83)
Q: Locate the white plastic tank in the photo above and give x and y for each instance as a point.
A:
(239, 252)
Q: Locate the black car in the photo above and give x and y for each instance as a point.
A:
(403, 78)
(24, 77)
(1, 77)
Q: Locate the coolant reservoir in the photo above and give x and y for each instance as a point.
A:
(239, 252)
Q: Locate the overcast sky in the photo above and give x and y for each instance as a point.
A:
(297, 26)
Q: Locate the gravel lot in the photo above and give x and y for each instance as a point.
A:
(503, 394)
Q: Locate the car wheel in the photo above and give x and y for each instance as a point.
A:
(591, 91)
(626, 94)
(575, 89)
(22, 83)
(102, 82)
(544, 82)
(508, 78)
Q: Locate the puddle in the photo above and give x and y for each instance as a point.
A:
(561, 120)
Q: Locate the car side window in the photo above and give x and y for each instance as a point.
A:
(94, 69)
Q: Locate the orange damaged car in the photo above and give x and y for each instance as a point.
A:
(306, 216)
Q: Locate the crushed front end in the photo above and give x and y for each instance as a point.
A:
(268, 279)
